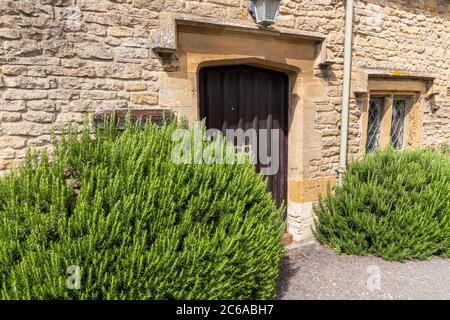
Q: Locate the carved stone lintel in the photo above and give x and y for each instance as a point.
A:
(164, 39)
(406, 81)
(399, 74)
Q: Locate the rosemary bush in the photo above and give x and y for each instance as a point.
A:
(137, 225)
(395, 205)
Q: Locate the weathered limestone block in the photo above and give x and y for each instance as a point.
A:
(15, 105)
(330, 142)
(93, 105)
(40, 141)
(174, 90)
(27, 7)
(131, 53)
(68, 117)
(98, 95)
(136, 42)
(11, 117)
(95, 5)
(35, 61)
(300, 221)
(39, 72)
(13, 94)
(303, 191)
(109, 84)
(328, 118)
(23, 47)
(90, 50)
(30, 83)
(148, 98)
(120, 32)
(59, 94)
(330, 132)
(14, 70)
(41, 105)
(74, 63)
(160, 5)
(10, 34)
(135, 86)
(106, 19)
(113, 42)
(287, 21)
(76, 83)
(7, 154)
(238, 13)
(12, 142)
(206, 9)
(126, 71)
(86, 71)
(39, 117)
(25, 128)
(330, 152)
(95, 29)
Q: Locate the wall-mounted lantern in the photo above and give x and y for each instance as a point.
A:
(264, 11)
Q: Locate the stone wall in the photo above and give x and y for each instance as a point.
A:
(63, 58)
(409, 37)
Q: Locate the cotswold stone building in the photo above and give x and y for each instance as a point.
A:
(61, 59)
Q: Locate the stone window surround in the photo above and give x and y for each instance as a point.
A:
(386, 118)
(415, 88)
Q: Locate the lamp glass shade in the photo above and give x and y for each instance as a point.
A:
(265, 11)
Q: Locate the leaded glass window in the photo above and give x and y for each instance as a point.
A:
(376, 106)
(398, 123)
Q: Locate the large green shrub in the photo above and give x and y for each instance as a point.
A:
(138, 225)
(395, 205)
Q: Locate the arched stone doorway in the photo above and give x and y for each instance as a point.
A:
(295, 58)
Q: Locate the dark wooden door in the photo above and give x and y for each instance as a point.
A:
(244, 97)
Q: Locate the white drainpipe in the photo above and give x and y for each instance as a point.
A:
(346, 87)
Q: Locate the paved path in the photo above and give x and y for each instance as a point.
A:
(316, 272)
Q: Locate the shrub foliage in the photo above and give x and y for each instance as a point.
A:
(137, 225)
(395, 205)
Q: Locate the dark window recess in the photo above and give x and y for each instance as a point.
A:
(376, 109)
(398, 123)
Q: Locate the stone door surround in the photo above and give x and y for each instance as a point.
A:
(202, 42)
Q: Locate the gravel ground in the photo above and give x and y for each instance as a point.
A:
(316, 272)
